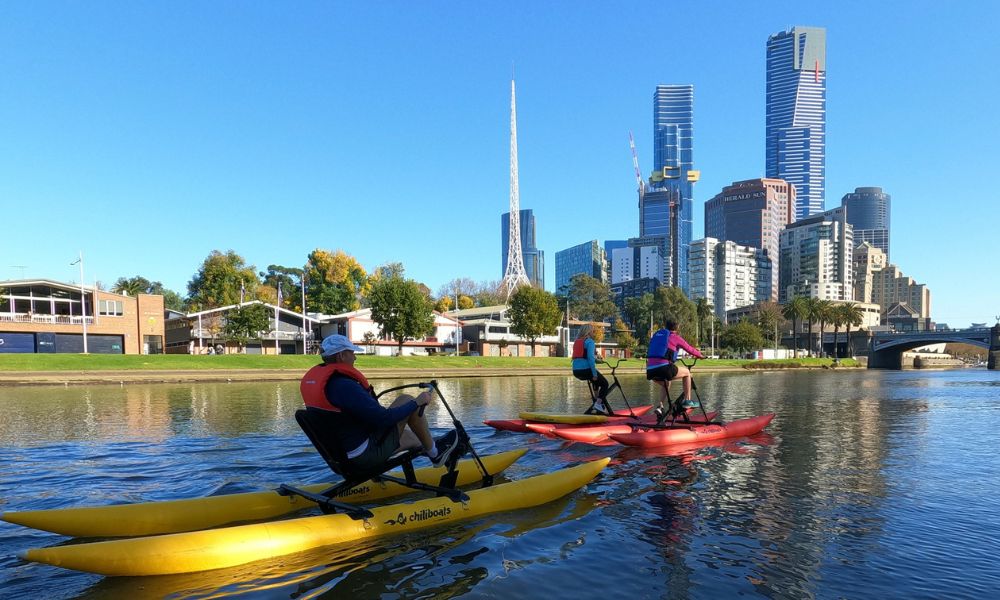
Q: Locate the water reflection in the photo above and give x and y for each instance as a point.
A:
(857, 479)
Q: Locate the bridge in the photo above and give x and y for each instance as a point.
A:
(885, 351)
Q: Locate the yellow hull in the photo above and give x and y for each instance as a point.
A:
(175, 516)
(231, 546)
(556, 418)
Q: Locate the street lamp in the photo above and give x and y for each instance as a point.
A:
(83, 300)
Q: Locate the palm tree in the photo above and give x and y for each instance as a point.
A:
(769, 317)
(812, 313)
(824, 310)
(703, 310)
(853, 315)
(836, 319)
(795, 310)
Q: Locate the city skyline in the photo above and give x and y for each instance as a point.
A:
(149, 136)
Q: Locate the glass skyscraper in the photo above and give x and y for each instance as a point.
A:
(534, 259)
(868, 211)
(587, 259)
(673, 176)
(795, 127)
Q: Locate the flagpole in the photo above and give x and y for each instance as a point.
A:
(83, 301)
(276, 349)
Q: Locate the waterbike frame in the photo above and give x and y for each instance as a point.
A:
(674, 404)
(616, 385)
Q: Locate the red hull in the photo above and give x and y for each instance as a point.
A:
(651, 438)
(520, 425)
(598, 433)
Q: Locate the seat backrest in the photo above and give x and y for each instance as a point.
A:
(319, 426)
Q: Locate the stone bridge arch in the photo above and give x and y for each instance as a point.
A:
(886, 350)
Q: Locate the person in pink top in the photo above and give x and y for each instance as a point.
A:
(662, 367)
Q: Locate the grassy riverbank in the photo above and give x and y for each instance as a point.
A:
(234, 362)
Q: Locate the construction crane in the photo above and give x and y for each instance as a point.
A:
(635, 164)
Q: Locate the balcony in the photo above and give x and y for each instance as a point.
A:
(8, 317)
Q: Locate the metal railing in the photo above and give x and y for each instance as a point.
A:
(44, 319)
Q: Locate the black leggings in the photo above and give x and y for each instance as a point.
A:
(601, 383)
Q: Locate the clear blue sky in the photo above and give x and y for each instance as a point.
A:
(148, 134)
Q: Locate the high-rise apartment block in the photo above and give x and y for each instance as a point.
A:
(815, 258)
(586, 259)
(868, 212)
(795, 123)
(729, 275)
(890, 287)
(867, 260)
(667, 206)
(534, 259)
(752, 213)
(642, 260)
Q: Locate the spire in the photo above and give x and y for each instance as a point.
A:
(515, 276)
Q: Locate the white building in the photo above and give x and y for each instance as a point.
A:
(816, 258)
(728, 275)
(635, 263)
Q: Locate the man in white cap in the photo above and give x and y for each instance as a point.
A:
(368, 432)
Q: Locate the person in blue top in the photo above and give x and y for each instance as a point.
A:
(662, 367)
(585, 367)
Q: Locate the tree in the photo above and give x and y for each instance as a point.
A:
(401, 309)
(824, 310)
(836, 317)
(670, 303)
(852, 315)
(742, 337)
(290, 281)
(369, 340)
(533, 313)
(768, 318)
(638, 312)
(590, 299)
(335, 282)
(795, 310)
(702, 310)
(247, 322)
(222, 280)
(133, 286)
(489, 293)
(812, 314)
(624, 337)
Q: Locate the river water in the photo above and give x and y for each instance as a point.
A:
(866, 484)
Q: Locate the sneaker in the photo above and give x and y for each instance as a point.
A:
(599, 407)
(689, 404)
(445, 445)
(660, 415)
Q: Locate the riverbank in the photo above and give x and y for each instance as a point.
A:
(78, 369)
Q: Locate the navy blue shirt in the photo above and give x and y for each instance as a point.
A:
(363, 414)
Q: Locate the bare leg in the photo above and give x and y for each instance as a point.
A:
(664, 390)
(418, 434)
(685, 376)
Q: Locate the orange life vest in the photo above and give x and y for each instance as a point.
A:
(579, 351)
(313, 384)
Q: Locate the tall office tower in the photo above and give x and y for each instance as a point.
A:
(514, 274)
(584, 259)
(867, 260)
(752, 213)
(868, 211)
(795, 128)
(729, 275)
(666, 208)
(532, 259)
(816, 258)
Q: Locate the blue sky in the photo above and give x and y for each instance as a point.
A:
(147, 134)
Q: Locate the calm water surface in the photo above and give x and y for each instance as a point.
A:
(866, 484)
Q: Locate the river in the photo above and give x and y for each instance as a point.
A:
(866, 484)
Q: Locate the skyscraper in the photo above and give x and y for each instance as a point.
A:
(584, 259)
(795, 128)
(752, 213)
(532, 258)
(868, 211)
(666, 208)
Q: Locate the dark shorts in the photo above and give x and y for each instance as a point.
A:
(583, 374)
(381, 446)
(662, 373)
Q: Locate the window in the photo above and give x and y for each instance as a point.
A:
(110, 308)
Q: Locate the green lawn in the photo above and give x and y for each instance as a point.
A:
(119, 362)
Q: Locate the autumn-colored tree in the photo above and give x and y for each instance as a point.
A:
(222, 280)
(335, 282)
